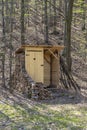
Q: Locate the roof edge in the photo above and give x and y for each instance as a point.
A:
(21, 49)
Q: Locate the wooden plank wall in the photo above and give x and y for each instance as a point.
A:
(55, 71)
(36, 73)
(47, 70)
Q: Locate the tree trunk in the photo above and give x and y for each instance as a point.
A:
(54, 3)
(4, 41)
(46, 21)
(67, 32)
(10, 42)
(22, 23)
(36, 31)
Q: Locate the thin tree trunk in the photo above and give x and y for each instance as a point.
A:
(36, 31)
(83, 15)
(46, 22)
(10, 42)
(4, 40)
(22, 22)
(54, 3)
(7, 15)
(50, 10)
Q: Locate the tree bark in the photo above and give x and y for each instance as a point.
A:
(46, 21)
(10, 42)
(55, 17)
(22, 22)
(67, 32)
(4, 41)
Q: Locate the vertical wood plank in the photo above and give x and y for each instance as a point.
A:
(34, 63)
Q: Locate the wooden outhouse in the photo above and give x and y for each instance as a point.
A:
(42, 63)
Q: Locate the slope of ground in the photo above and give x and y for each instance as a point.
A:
(67, 111)
(80, 74)
(18, 113)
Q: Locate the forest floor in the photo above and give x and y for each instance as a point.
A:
(67, 111)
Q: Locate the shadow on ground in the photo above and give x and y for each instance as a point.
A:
(63, 111)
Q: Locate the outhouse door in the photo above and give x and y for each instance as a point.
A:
(35, 64)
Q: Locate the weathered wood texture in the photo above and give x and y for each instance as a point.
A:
(47, 70)
(55, 71)
(23, 83)
(35, 69)
(34, 63)
(42, 65)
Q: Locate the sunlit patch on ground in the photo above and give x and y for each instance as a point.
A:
(23, 114)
